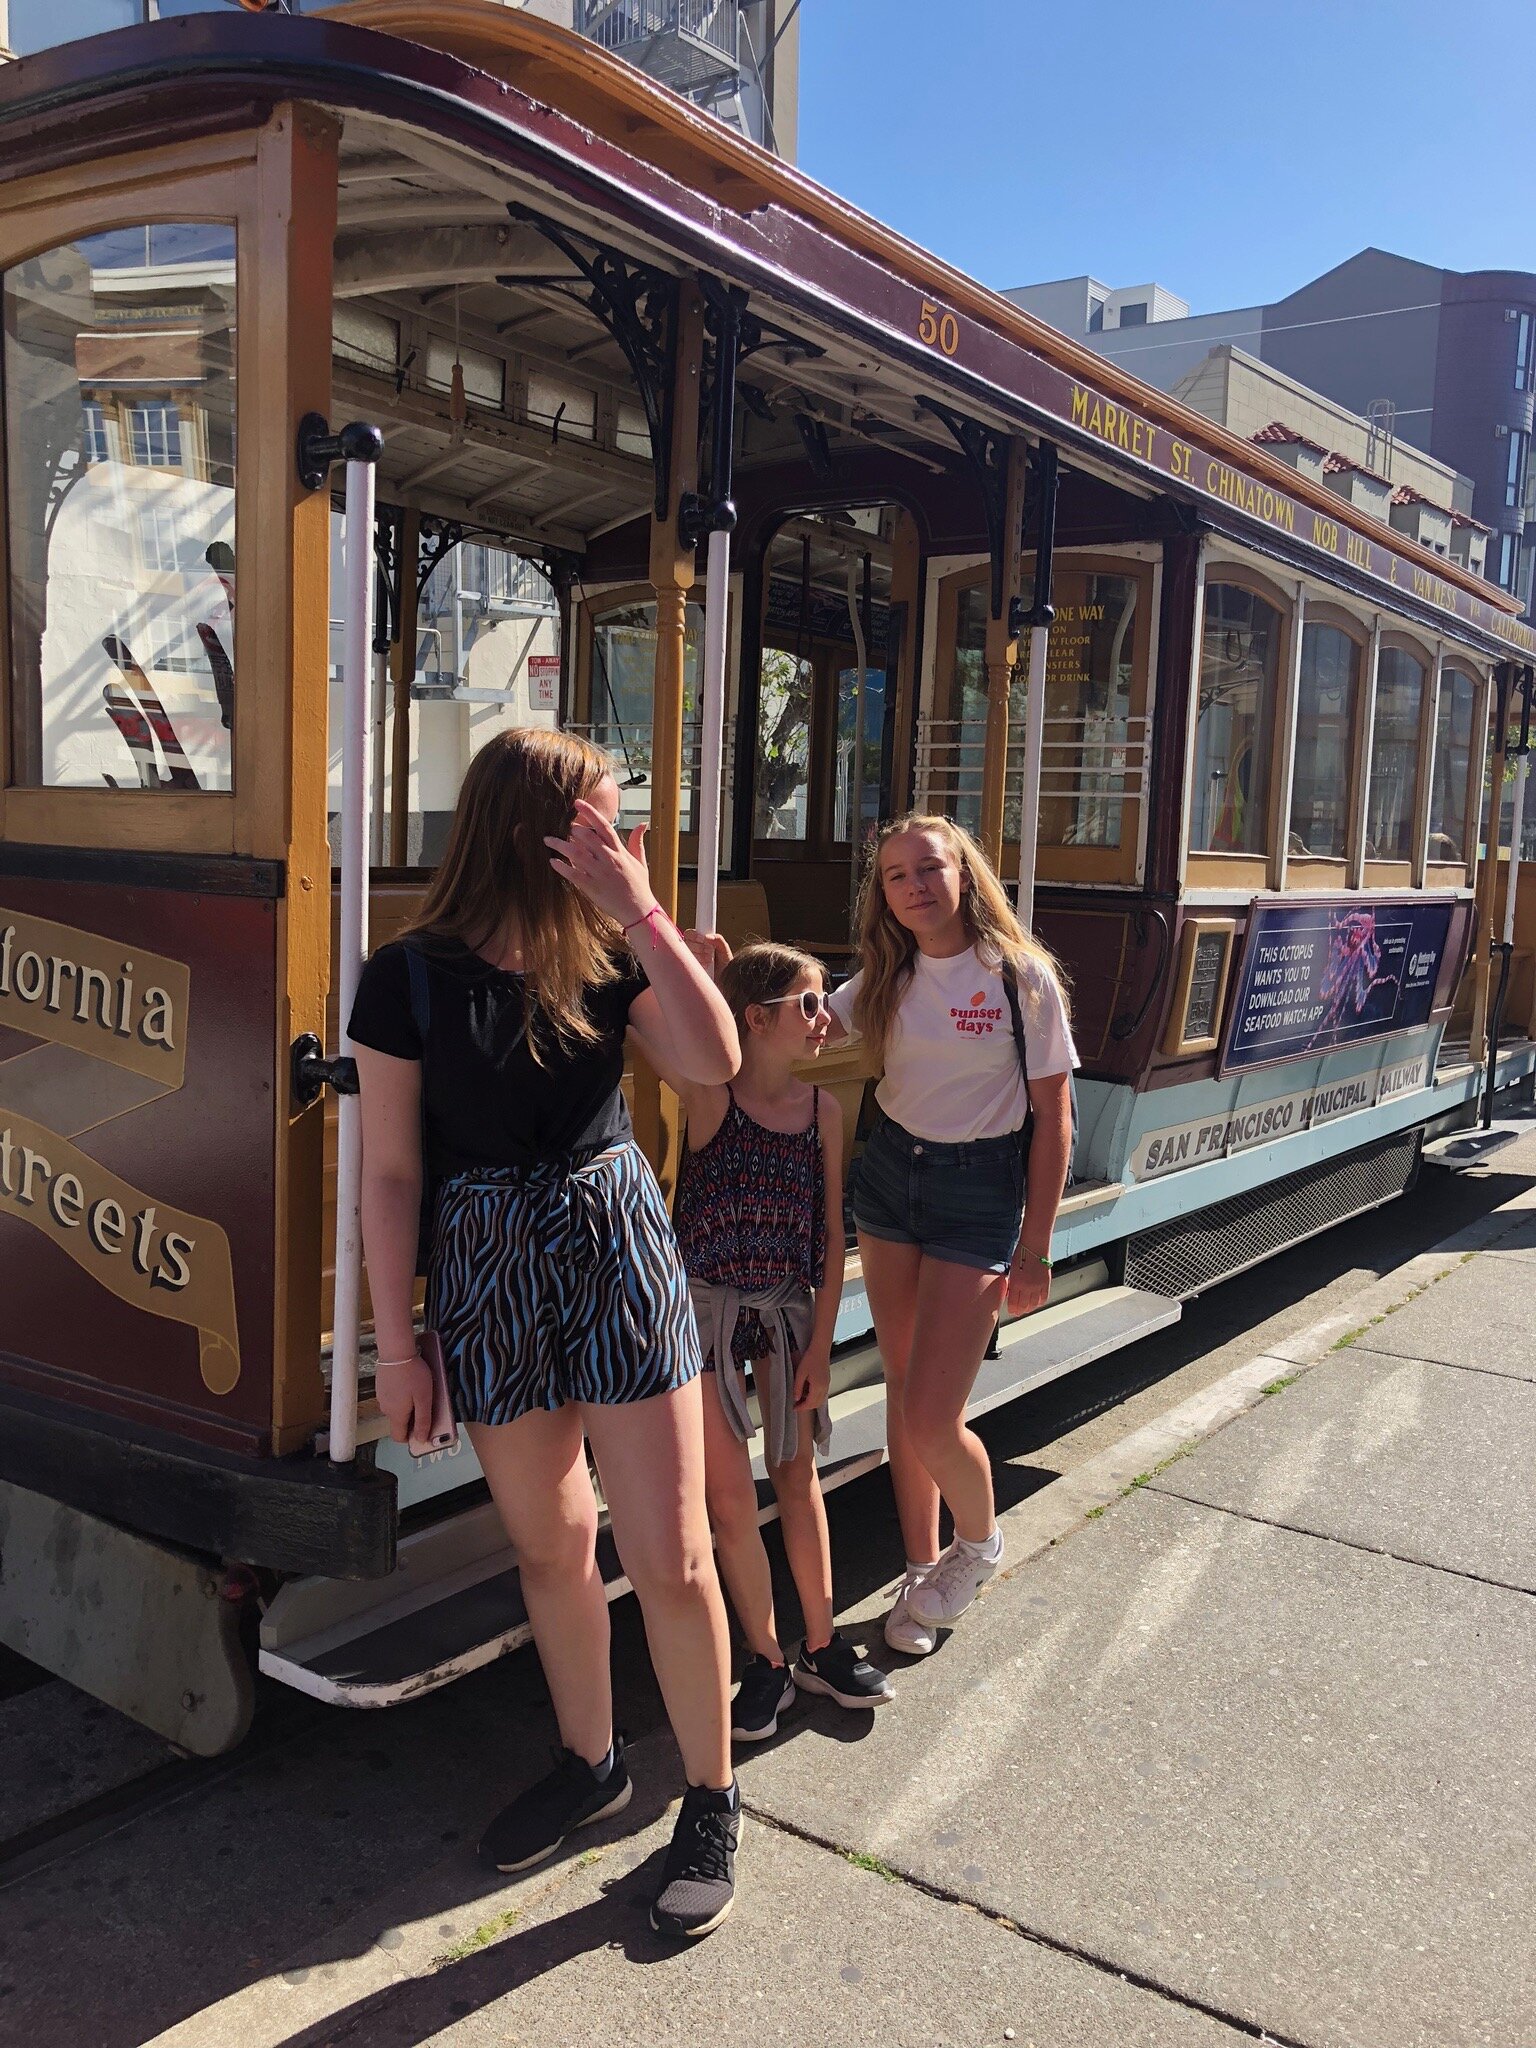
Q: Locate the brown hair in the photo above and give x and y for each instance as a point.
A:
(886, 947)
(522, 787)
(759, 973)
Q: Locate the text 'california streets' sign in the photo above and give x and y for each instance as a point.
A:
(1320, 975)
(95, 1005)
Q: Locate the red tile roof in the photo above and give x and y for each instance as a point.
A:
(1337, 464)
(1277, 433)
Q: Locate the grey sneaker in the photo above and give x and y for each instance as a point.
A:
(698, 1880)
(940, 1599)
(538, 1820)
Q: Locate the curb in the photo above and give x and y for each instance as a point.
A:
(1064, 1505)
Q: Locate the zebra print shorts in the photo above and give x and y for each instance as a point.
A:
(550, 1284)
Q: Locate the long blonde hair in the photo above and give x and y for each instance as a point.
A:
(887, 948)
(521, 788)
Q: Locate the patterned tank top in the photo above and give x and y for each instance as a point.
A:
(751, 1204)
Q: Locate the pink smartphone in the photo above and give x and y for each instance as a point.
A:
(444, 1434)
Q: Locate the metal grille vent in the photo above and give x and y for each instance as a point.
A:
(1192, 1253)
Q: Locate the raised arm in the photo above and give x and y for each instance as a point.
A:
(682, 1020)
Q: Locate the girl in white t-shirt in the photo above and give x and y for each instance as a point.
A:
(946, 1233)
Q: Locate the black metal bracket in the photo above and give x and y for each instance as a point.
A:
(730, 331)
(318, 450)
(986, 456)
(638, 305)
(387, 567)
(1046, 468)
(309, 1070)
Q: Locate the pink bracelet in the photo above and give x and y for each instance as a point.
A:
(649, 918)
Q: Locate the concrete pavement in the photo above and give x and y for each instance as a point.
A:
(1247, 1753)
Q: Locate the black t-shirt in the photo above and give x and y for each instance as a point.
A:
(488, 1101)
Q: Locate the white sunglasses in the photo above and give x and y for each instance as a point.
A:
(812, 1002)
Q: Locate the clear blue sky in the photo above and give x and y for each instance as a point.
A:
(1229, 149)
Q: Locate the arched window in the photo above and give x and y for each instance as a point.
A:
(1393, 798)
(1327, 700)
(1453, 762)
(1235, 726)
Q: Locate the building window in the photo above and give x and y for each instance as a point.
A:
(1514, 474)
(1394, 788)
(120, 644)
(93, 421)
(1135, 314)
(1235, 726)
(1509, 560)
(154, 435)
(1327, 693)
(1453, 761)
(1523, 331)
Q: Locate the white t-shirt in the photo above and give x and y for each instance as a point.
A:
(951, 1065)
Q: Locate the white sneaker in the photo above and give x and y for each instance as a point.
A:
(903, 1630)
(940, 1599)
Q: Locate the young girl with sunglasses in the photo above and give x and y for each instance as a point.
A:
(554, 1284)
(959, 1185)
(759, 1218)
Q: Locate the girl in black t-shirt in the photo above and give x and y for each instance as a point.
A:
(554, 1282)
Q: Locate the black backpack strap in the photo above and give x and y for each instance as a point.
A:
(1011, 991)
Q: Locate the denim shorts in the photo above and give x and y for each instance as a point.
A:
(961, 1203)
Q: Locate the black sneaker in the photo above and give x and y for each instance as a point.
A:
(843, 1675)
(765, 1691)
(698, 1879)
(538, 1820)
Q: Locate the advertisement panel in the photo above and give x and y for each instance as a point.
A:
(1316, 975)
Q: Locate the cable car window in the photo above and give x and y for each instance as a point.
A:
(1394, 788)
(1325, 727)
(622, 688)
(868, 767)
(785, 691)
(120, 465)
(1235, 726)
(1453, 761)
(1090, 672)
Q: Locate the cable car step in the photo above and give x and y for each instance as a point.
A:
(455, 1603)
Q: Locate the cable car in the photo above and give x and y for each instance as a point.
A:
(376, 380)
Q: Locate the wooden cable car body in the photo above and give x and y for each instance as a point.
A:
(1238, 729)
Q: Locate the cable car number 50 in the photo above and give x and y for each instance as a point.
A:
(936, 329)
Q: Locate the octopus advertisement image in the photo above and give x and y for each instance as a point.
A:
(1320, 975)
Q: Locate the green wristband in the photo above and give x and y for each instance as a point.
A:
(1039, 1257)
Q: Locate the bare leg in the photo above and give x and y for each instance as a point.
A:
(890, 1278)
(732, 1495)
(538, 1479)
(651, 1455)
(803, 1519)
(956, 1308)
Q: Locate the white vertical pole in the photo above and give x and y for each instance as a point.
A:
(356, 681)
(717, 582)
(856, 765)
(1516, 834)
(1034, 755)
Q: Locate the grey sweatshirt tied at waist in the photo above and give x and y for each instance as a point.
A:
(787, 1313)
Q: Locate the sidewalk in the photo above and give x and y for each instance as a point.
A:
(1246, 1752)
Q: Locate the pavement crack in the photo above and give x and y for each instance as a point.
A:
(1491, 1372)
(1106, 1966)
(1423, 1564)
